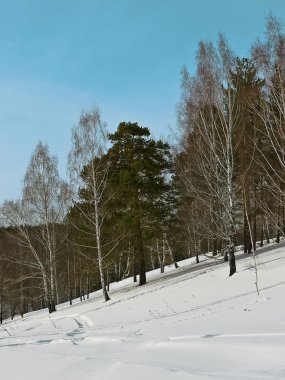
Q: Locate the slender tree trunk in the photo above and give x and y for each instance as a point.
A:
(138, 239)
(278, 225)
(140, 254)
(254, 255)
(160, 255)
(215, 247)
(197, 258)
(231, 246)
(21, 306)
(87, 285)
(283, 216)
(266, 229)
(232, 259)
(135, 267)
(1, 310)
(254, 235)
(69, 278)
(98, 243)
(152, 261)
(262, 235)
(246, 222)
(171, 252)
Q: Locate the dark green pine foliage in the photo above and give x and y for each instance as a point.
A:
(248, 91)
(141, 182)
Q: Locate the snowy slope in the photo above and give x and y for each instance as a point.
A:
(199, 325)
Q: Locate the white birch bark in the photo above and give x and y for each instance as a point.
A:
(88, 143)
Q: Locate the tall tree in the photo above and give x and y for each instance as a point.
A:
(209, 117)
(248, 91)
(270, 60)
(139, 175)
(36, 216)
(89, 171)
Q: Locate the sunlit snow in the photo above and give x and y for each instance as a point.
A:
(198, 325)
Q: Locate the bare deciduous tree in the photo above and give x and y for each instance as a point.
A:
(85, 163)
(209, 117)
(36, 216)
(270, 59)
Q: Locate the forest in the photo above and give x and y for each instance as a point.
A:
(132, 203)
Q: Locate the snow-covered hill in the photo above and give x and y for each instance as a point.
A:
(198, 325)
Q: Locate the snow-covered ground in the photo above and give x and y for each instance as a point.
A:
(199, 325)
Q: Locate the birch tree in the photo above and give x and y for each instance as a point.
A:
(37, 214)
(270, 59)
(209, 117)
(86, 165)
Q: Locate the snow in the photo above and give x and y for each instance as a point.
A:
(196, 325)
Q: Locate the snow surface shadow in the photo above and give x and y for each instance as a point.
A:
(207, 336)
(79, 331)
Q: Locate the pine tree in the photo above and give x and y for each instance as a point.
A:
(139, 176)
(248, 89)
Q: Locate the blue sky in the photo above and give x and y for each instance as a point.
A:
(59, 57)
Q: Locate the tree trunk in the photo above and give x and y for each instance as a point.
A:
(215, 247)
(247, 246)
(254, 237)
(98, 243)
(262, 235)
(170, 252)
(278, 228)
(139, 253)
(232, 259)
(135, 268)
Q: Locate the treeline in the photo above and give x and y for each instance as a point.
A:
(134, 203)
(231, 164)
(112, 220)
